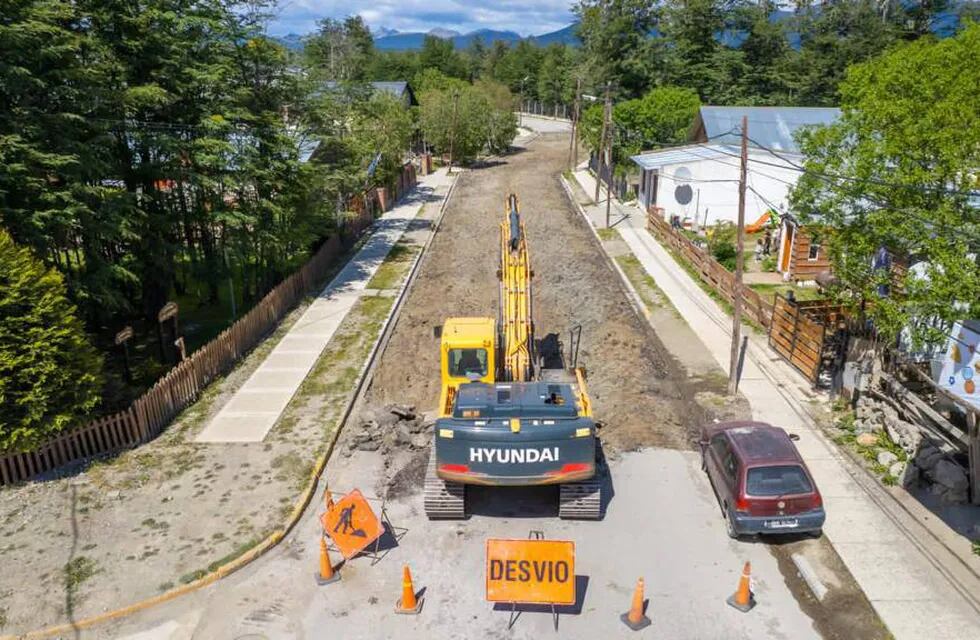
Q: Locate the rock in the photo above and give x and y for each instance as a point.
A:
(909, 474)
(867, 439)
(421, 440)
(954, 496)
(928, 457)
(403, 434)
(417, 425)
(896, 469)
(950, 475)
(887, 458)
(403, 411)
(368, 445)
(904, 434)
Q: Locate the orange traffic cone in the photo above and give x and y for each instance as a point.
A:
(408, 603)
(326, 574)
(635, 618)
(743, 599)
(327, 500)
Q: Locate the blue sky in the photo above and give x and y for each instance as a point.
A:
(526, 17)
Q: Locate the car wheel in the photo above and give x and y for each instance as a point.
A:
(816, 534)
(729, 525)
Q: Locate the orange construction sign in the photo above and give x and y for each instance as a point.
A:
(351, 524)
(531, 571)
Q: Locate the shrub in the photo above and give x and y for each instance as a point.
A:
(50, 375)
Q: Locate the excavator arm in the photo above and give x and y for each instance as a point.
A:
(515, 325)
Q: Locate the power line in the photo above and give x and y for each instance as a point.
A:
(876, 181)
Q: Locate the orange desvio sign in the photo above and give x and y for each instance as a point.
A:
(531, 571)
(351, 524)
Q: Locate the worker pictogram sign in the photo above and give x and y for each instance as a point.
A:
(351, 524)
(531, 571)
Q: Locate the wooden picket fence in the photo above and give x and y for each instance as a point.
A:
(709, 270)
(181, 386)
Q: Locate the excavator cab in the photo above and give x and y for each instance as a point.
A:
(467, 353)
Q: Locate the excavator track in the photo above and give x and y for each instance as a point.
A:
(443, 500)
(580, 500)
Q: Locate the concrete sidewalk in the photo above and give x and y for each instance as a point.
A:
(256, 406)
(908, 590)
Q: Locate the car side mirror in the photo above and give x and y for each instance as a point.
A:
(437, 331)
(794, 437)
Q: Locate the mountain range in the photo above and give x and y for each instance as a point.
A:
(393, 40)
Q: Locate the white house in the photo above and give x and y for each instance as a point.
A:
(699, 181)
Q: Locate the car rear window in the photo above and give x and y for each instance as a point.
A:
(777, 481)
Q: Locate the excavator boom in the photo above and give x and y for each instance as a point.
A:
(515, 324)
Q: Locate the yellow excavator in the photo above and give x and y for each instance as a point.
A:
(511, 413)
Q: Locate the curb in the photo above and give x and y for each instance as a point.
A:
(276, 536)
(633, 296)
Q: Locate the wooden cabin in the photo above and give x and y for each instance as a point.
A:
(801, 255)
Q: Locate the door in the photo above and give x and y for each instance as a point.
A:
(719, 460)
(786, 251)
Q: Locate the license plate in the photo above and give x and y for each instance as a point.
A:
(782, 524)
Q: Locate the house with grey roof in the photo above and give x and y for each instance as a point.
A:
(397, 88)
(698, 182)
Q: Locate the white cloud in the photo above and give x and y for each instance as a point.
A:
(526, 17)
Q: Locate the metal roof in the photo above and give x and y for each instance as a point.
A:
(772, 127)
(682, 155)
(396, 88)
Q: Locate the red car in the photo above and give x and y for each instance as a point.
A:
(762, 483)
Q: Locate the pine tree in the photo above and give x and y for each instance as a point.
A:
(50, 376)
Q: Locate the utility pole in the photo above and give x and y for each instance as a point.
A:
(573, 143)
(606, 116)
(452, 131)
(739, 259)
(610, 134)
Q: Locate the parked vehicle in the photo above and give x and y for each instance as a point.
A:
(760, 480)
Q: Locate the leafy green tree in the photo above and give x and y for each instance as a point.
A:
(340, 50)
(833, 37)
(767, 58)
(555, 84)
(694, 57)
(50, 376)
(663, 116)
(614, 35)
(896, 172)
(467, 119)
(440, 54)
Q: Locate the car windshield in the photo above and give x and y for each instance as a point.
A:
(777, 481)
(468, 363)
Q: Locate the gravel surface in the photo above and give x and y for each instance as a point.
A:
(637, 388)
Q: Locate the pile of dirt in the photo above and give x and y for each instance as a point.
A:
(385, 429)
(401, 436)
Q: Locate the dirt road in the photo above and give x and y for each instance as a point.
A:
(634, 383)
(662, 522)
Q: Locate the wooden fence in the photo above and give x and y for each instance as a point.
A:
(804, 333)
(182, 385)
(710, 270)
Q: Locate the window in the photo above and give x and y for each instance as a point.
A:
(814, 251)
(777, 481)
(467, 363)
